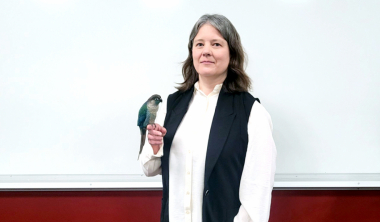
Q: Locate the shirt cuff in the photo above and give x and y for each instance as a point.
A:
(150, 153)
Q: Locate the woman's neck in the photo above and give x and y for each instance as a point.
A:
(207, 85)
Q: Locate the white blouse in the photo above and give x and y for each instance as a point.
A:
(188, 155)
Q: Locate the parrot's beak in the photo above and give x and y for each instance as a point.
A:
(161, 100)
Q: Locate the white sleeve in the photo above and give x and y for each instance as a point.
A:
(151, 163)
(257, 179)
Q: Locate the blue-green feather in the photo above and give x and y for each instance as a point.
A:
(142, 116)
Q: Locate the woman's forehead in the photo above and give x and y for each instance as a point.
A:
(208, 31)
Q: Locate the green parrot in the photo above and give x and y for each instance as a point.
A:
(147, 115)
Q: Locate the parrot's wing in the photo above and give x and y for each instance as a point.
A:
(142, 115)
(146, 122)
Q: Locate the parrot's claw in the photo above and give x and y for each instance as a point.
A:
(153, 124)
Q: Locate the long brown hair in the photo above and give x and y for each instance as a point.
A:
(237, 79)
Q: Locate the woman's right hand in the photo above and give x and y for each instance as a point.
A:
(155, 135)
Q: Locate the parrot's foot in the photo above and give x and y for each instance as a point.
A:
(154, 126)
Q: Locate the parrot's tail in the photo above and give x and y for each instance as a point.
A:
(141, 144)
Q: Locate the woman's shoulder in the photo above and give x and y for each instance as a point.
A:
(248, 97)
(178, 94)
(259, 109)
(259, 115)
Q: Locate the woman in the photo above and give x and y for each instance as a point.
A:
(213, 141)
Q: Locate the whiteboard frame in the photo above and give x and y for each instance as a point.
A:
(140, 182)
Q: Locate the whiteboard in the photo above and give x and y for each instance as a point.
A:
(73, 75)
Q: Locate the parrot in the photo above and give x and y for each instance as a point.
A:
(147, 115)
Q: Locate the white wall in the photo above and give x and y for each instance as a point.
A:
(73, 75)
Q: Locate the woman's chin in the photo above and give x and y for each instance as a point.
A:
(210, 75)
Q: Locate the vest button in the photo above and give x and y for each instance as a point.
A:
(206, 193)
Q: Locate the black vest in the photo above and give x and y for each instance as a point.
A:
(226, 150)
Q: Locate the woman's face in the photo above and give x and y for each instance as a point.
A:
(211, 54)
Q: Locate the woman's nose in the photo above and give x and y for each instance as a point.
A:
(206, 50)
(206, 54)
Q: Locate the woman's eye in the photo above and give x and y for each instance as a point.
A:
(217, 44)
(199, 44)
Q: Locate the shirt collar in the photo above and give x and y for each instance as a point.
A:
(216, 90)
